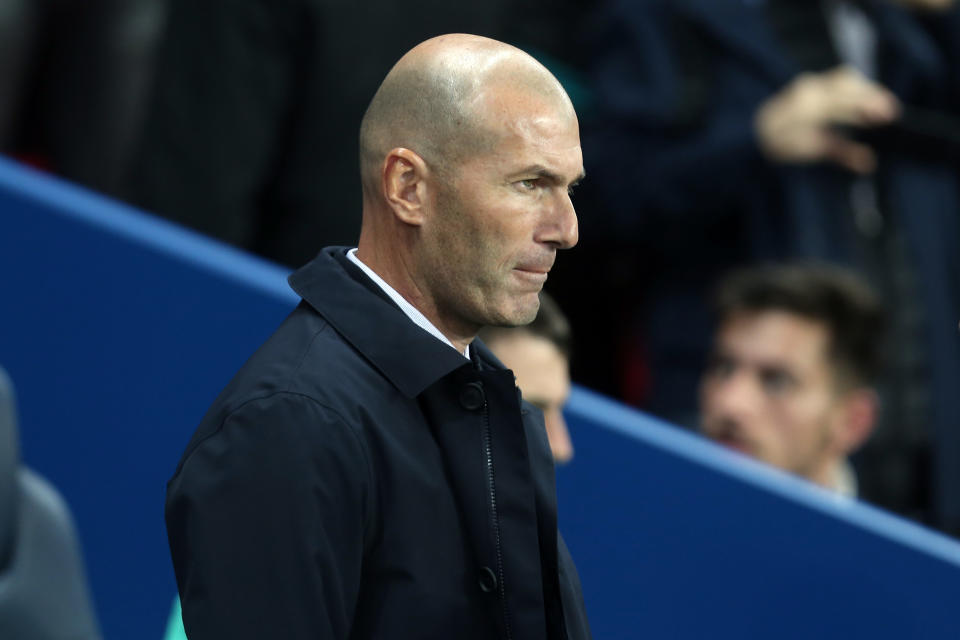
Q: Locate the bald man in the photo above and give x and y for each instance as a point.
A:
(372, 472)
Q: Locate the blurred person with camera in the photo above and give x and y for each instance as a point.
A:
(737, 133)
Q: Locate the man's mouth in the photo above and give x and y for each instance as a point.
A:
(732, 438)
(532, 275)
(736, 444)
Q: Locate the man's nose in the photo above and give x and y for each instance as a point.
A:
(735, 396)
(561, 228)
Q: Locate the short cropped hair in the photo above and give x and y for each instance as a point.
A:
(417, 110)
(550, 323)
(834, 296)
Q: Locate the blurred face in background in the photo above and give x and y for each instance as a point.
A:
(770, 392)
(543, 375)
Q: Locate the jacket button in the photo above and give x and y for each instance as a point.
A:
(488, 580)
(471, 397)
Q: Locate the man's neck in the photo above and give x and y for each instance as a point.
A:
(412, 311)
(839, 477)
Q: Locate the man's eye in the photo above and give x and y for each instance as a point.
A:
(528, 184)
(776, 382)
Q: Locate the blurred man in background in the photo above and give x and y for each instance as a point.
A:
(791, 375)
(539, 356)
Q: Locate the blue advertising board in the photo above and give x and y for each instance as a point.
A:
(119, 329)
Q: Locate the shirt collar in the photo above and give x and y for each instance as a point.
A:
(845, 479)
(373, 324)
(412, 312)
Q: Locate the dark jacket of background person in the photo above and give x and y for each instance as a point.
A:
(358, 478)
(74, 75)
(685, 183)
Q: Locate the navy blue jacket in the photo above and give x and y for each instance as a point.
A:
(360, 479)
(679, 83)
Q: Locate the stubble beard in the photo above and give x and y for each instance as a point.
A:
(814, 461)
(487, 300)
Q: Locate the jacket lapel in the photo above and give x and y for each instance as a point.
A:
(373, 324)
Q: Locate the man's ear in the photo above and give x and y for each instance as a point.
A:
(861, 407)
(405, 185)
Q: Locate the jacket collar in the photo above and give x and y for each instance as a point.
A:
(364, 315)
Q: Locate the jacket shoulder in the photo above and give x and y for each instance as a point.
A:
(305, 370)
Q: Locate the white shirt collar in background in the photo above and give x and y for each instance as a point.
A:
(854, 36)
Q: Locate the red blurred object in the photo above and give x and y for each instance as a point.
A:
(35, 160)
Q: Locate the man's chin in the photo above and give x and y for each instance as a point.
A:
(517, 311)
(525, 312)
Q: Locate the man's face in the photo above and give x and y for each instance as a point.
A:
(543, 375)
(502, 215)
(770, 392)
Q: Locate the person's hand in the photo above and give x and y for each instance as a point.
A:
(926, 5)
(797, 124)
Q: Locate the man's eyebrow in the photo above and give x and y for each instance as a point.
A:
(542, 172)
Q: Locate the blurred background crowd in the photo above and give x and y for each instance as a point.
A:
(717, 134)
